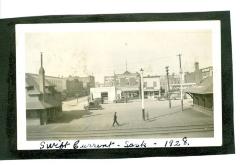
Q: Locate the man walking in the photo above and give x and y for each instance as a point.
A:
(115, 119)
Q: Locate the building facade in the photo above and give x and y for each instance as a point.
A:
(173, 80)
(128, 83)
(105, 94)
(88, 82)
(79, 86)
(152, 87)
(157, 86)
(74, 87)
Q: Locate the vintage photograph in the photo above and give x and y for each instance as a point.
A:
(118, 80)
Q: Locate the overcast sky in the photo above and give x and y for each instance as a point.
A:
(104, 52)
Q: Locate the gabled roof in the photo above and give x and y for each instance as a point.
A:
(33, 93)
(204, 87)
(34, 105)
(32, 80)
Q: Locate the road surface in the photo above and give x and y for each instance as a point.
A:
(163, 122)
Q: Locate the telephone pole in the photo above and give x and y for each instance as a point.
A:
(142, 93)
(181, 79)
(168, 95)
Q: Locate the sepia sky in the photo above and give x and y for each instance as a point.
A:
(102, 53)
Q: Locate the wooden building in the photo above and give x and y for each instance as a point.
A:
(43, 101)
(202, 94)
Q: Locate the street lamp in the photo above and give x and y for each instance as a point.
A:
(142, 90)
(168, 95)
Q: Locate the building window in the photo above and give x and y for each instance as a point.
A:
(154, 84)
(145, 84)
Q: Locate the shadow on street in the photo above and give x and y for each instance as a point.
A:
(163, 115)
(89, 115)
(68, 116)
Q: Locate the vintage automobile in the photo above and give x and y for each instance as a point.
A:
(122, 100)
(93, 105)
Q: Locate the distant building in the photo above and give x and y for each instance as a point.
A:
(152, 86)
(74, 87)
(109, 81)
(58, 82)
(98, 84)
(173, 80)
(156, 86)
(43, 101)
(198, 74)
(128, 83)
(88, 82)
(105, 94)
(79, 86)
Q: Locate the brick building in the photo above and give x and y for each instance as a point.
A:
(79, 86)
(128, 83)
(74, 87)
(198, 74)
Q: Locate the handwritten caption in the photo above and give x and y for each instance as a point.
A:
(78, 144)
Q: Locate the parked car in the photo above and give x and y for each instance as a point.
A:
(122, 100)
(93, 105)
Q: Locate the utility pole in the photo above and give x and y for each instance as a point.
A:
(142, 90)
(168, 95)
(114, 83)
(181, 79)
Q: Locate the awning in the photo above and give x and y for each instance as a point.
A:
(128, 89)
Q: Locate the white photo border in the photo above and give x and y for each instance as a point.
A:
(213, 25)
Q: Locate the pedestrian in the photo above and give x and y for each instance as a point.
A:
(115, 119)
